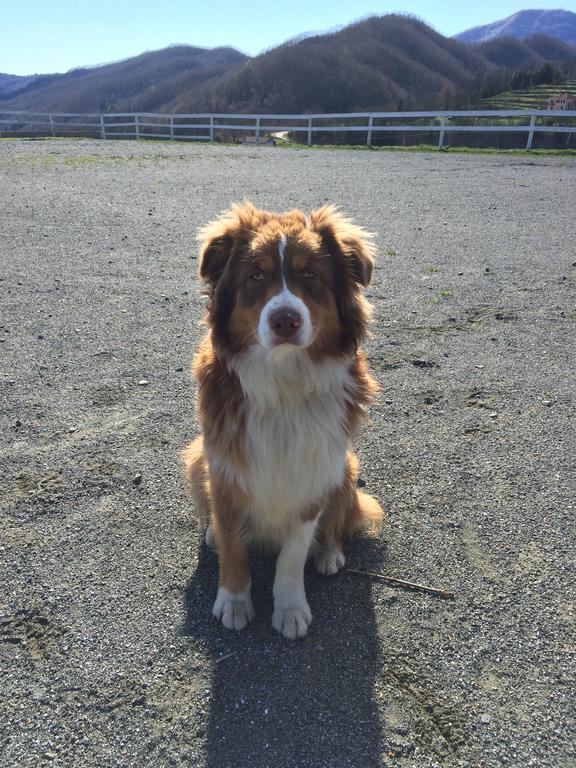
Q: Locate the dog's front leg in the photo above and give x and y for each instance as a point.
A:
(292, 615)
(233, 604)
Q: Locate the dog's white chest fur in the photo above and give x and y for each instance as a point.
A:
(296, 440)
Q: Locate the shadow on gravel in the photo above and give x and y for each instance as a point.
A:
(280, 703)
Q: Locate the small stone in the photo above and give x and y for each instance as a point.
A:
(179, 369)
(143, 382)
(493, 415)
(487, 269)
(40, 336)
(388, 402)
(361, 483)
(17, 423)
(460, 274)
(485, 718)
(137, 479)
(38, 694)
(71, 429)
(547, 403)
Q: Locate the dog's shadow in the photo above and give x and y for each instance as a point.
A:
(305, 703)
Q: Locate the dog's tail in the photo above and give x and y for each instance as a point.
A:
(367, 516)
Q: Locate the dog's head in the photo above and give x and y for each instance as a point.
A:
(286, 279)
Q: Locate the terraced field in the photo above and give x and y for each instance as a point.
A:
(528, 98)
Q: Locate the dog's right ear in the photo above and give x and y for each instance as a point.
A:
(218, 240)
(215, 252)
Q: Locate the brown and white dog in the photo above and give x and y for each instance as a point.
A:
(282, 386)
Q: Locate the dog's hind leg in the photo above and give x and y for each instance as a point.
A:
(196, 470)
(347, 511)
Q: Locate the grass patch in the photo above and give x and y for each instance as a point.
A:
(316, 147)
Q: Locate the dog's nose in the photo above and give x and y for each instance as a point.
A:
(285, 322)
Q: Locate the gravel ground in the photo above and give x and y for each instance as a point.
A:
(109, 655)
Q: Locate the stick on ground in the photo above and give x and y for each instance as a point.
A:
(404, 584)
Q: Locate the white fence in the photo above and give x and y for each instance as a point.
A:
(368, 126)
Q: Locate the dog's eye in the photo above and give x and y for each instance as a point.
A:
(258, 275)
(307, 273)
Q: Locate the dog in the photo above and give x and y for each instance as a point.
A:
(282, 388)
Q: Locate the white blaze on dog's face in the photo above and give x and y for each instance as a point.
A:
(286, 281)
(285, 318)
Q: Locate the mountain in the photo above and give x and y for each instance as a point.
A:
(142, 83)
(559, 24)
(533, 51)
(381, 63)
(14, 83)
(377, 63)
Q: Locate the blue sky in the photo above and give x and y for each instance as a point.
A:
(38, 36)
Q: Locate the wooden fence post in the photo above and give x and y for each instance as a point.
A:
(172, 126)
(211, 129)
(50, 118)
(102, 127)
(531, 133)
(369, 136)
(442, 132)
(257, 130)
(309, 131)
(136, 126)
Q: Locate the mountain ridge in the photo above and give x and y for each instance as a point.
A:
(379, 63)
(559, 23)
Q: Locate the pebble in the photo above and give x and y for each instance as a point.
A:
(137, 479)
(485, 718)
(71, 429)
(17, 423)
(143, 382)
(547, 403)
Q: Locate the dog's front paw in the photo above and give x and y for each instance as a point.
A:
(329, 560)
(292, 621)
(234, 610)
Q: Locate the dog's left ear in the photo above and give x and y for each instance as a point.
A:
(339, 234)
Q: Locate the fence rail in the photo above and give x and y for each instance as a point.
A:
(259, 128)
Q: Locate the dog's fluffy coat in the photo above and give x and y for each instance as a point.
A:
(282, 387)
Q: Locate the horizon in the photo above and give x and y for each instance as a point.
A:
(82, 36)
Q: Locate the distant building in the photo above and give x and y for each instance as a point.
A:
(253, 140)
(563, 100)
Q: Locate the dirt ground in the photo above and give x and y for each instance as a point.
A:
(108, 653)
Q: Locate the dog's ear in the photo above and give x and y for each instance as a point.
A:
(215, 252)
(340, 235)
(219, 240)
